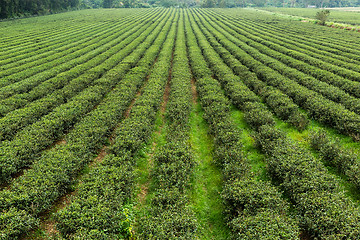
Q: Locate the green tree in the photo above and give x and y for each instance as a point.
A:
(322, 16)
(167, 3)
(258, 3)
(4, 9)
(243, 3)
(107, 3)
(208, 3)
(222, 4)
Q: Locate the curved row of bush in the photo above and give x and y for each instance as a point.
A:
(27, 48)
(324, 209)
(322, 38)
(334, 39)
(289, 57)
(51, 69)
(52, 174)
(100, 192)
(241, 50)
(280, 103)
(335, 155)
(240, 95)
(294, 43)
(59, 48)
(34, 138)
(170, 214)
(98, 189)
(56, 55)
(18, 119)
(12, 40)
(254, 208)
(41, 41)
(319, 108)
(67, 45)
(39, 87)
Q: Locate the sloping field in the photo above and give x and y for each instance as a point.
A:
(178, 124)
(349, 15)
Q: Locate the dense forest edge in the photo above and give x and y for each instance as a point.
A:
(25, 8)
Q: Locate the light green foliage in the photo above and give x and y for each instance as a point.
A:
(207, 181)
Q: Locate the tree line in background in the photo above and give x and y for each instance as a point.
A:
(19, 8)
(217, 3)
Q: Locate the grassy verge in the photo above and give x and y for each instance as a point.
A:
(254, 156)
(145, 165)
(207, 181)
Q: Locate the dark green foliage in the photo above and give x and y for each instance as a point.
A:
(170, 217)
(13, 8)
(208, 3)
(104, 193)
(174, 167)
(247, 196)
(13, 222)
(257, 115)
(263, 225)
(107, 3)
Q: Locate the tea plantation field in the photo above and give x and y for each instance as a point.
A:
(178, 124)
